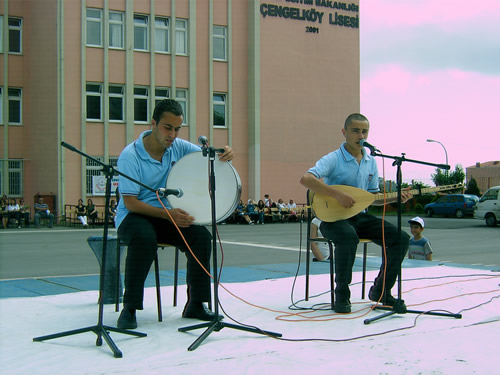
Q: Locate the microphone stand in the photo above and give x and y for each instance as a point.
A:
(216, 324)
(399, 306)
(100, 329)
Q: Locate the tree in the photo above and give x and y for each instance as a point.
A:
(455, 177)
(472, 188)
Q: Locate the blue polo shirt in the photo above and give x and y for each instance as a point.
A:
(134, 161)
(339, 167)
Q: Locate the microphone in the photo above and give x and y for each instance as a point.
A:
(202, 140)
(364, 143)
(177, 192)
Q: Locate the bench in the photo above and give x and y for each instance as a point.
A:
(71, 219)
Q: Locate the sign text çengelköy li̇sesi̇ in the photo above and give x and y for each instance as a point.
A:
(312, 15)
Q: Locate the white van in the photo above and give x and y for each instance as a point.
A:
(488, 207)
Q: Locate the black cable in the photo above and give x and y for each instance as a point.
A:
(298, 266)
(326, 307)
(481, 304)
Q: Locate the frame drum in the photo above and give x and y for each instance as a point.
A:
(191, 175)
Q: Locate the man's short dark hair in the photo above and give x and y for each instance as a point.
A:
(167, 105)
(354, 117)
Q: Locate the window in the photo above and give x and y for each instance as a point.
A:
(15, 106)
(116, 100)
(116, 29)
(219, 109)
(445, 200)
(161, 93)
(141, 104)
(181, 37)
(181, 97)
(15, 35)
(161, 34)
(219, 41)
(94, 27)
(491, 194)
(141, 33)
(15, 178)
(93, 169)
(113, 161)
(94, 101)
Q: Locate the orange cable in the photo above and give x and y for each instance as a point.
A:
(453, 282)
(286, 315)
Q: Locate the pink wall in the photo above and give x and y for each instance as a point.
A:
(309, 83)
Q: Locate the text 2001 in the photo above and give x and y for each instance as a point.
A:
(310, 29)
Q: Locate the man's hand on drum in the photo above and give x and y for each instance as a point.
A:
(227, 154)
(181, 217)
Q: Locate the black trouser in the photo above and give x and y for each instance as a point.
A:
(26, 217)
(345, 234)
(141, 234)
(39, 215)
(16, 215)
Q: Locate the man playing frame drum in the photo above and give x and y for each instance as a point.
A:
(142, 222)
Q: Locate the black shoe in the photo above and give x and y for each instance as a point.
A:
(199, 311)
(387, 299)
(343, 307)
(127, 319)
(327, 259)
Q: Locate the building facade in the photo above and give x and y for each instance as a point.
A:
(486, 174)
(273, 79)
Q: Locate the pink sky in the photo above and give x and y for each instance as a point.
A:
(431, 70)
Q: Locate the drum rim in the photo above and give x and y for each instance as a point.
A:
(237, 192)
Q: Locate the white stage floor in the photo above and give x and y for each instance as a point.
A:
(415, 344)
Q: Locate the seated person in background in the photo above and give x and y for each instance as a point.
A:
(261, 211)
(268, 202)
(24, 211)
(254, 216)
(91, 211)
(420, 247)
(320, 250)
(81, 212)
(4, 215)
(292, 210)
(240, 213)
(13, 212)
(283, 208)
(42, 210)
(281, 204)
(112, 211)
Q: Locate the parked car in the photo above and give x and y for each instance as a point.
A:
(457, 205)
(488, 207)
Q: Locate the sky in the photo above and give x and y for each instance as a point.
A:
(430, 69)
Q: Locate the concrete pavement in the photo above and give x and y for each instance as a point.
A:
(59, 260)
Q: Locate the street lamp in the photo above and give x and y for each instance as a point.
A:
(444, 148)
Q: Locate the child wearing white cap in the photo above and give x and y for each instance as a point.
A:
(420, 247)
